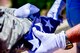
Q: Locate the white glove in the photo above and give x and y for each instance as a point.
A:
(26, 10)
(49, 42)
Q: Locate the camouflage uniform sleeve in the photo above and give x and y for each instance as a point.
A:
(8, 10)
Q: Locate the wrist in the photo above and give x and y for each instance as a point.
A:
(69, 44)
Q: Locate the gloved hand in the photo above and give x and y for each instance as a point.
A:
(26, 10)
(53, 41)
(49, 41)
(73, 34)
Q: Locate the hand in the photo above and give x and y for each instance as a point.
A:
(50, 41)
(73, 34)
(26, 10)
(23, 11)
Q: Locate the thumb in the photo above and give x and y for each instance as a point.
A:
(38, 33)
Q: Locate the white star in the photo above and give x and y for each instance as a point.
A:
(35, 43)
(48, 24)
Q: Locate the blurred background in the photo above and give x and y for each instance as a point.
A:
(44, 5)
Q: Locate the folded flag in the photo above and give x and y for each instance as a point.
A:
(43, 24)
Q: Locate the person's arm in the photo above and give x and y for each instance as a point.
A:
(23, 11)
(8, 10)
(73, 34)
